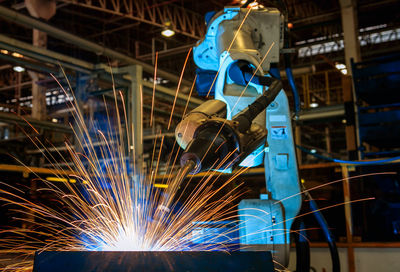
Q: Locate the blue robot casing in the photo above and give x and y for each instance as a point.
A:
(257, 37)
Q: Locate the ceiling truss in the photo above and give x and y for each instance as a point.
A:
(158, 14)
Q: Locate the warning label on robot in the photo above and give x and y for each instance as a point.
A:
(279, 132)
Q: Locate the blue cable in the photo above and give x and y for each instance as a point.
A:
(349, 162)
(292, 83)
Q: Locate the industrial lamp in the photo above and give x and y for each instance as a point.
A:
(18, 69)
(168, 32)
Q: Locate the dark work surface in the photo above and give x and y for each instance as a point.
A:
(185, 261)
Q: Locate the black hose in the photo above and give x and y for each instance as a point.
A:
(327, 233)
(292, 83)
(302, 249)
(287, 61)
(246, 118)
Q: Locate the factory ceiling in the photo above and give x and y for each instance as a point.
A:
(134, 27)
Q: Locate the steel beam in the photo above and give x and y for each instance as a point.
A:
(350, 32)
(27, 121)
(172, 93)
(65, 36)
(44, 55)
(322, 113)
(158, 14)
(167, 52)
(48, 56)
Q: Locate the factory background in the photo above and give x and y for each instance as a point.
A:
(346, 65)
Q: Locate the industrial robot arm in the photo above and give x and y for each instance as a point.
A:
(238, 49)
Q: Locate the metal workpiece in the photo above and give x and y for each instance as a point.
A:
(129, 261)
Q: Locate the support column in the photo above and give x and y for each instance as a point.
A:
(352, 51)
(350, 32)
(351, 131)
(81, 96)
(135, 113)
(44, 9)
(38, 97)
(349, 219)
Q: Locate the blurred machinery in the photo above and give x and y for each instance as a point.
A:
(377, 114)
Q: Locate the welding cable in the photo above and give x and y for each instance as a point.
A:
(327, 232)
(292, 83)
(289, 73)
(286, 56)
(302, 248)
(246, 117)
(383, 161)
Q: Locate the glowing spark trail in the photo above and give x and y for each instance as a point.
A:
(111, 206)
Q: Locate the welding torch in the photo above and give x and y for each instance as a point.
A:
(211, 141)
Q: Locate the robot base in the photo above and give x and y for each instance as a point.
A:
(178, 261)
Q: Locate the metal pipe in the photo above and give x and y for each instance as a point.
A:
(13, 118)
(323, 112)
(30, 22)
(10, 87)
(300, 71)
(172, 93)
(167, 52)
(44, 55)
(55, 58)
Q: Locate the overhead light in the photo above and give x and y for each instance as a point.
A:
(17, 55)
(313, 151)
(4, 51)
(18, 69)
(314, 105)
(243, 2)
(341, 67)
(54, 120)
(168, 32)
